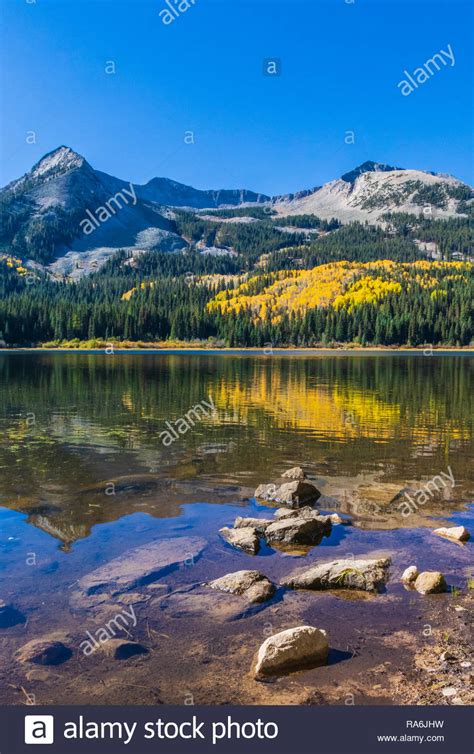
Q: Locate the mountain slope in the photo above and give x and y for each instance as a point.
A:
(45, 213)
(174, 194)
(370, 193)
(367, 167)
(337, 285)
(71, 218)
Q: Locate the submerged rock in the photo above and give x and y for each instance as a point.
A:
(431, 582)
(366, 575)
(410, 575)
(203, 604)
(10, 616)
(133, 598)
(251, 584)
(259, 524)
(295, 473)
(48, 650)
(245, 539)
(135, 568)
(401, 494)
(294, 494)
(459, 533)
(293, 649)
(123, 649)
(298, 531)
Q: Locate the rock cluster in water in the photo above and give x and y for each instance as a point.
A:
(434, 582)
(295, 493)
(300, 527)
(295, 523)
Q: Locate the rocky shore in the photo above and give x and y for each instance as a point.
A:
(135, 584)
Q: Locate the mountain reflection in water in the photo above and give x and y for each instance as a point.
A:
(80, 436)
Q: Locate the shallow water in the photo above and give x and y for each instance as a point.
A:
(84, 476)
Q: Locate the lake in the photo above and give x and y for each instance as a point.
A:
(85, 476)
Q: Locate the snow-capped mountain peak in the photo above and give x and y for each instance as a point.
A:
(44, 211)
(53, 165)
(58, 161)
(373, 189)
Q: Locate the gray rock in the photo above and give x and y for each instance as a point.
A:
(298, 531)
(290, 650)
(135, 568)
(245, 539)
(295, 473)
(459, 533)
(366, 575)
(48, 650)
(259, 524)
(431, 582)
(410, 575)
(251, 584)
(295, 494)
(305, 512)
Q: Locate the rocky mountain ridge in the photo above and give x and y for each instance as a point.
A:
(69, 217)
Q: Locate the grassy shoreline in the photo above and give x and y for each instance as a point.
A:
(203, 346)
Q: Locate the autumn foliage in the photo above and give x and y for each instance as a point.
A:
(339, 285)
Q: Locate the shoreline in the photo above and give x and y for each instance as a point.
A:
(111, 349)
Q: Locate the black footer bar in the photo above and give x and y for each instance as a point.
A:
(237, 730)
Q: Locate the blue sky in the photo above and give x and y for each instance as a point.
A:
(340, 65)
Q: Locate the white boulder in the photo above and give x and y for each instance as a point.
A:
(410, 575)
(293, 649)
(459, 533)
